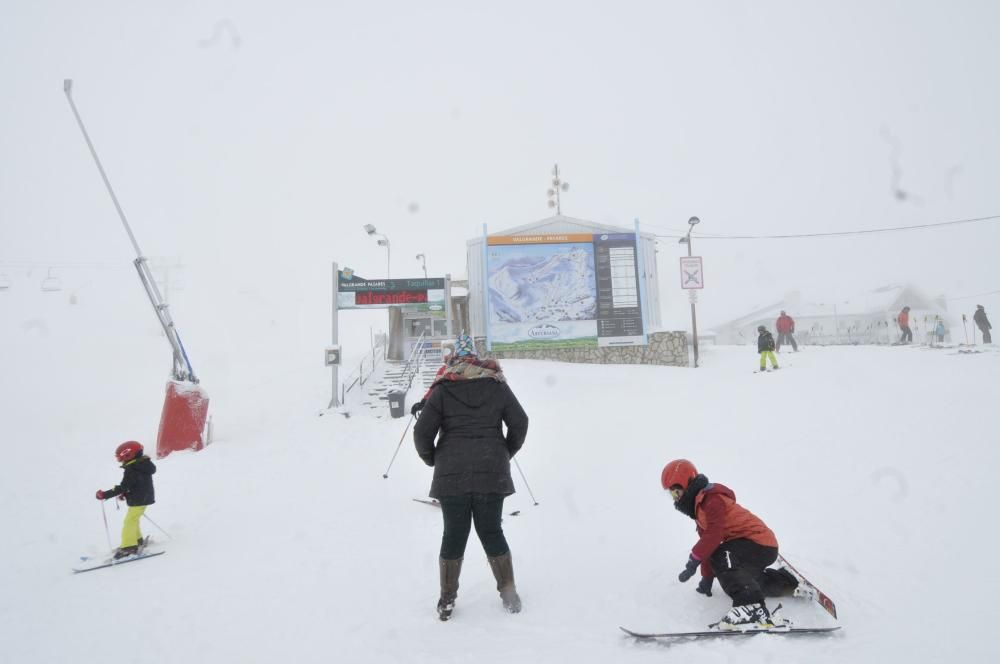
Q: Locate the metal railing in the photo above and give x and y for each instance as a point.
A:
(365, 369)
(413, 364)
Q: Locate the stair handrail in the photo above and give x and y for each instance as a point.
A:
(369, 363)
(413, 363)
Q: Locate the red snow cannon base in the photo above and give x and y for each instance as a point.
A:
(183, 420)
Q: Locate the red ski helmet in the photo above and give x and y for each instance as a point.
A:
(128, 450)
(679, 472)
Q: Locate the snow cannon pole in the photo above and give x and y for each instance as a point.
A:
(181, 372)
(526, 485)
(186, 406)
(385, 475)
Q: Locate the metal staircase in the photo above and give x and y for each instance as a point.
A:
(419, 368)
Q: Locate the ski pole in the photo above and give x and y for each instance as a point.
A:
(107, 531)
(525, 482)
(145, 516)
(385, 475)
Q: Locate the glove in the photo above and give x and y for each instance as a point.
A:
(417, 407)
(705, 585)
(100, 494)
(689, 569)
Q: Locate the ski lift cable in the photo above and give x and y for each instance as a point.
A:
(868, 231)
(969, 297)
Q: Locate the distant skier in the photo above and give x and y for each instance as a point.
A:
(939, 330)
(467, 408)
(136, 489)
(983, 323)
(903, 319)
(765, 346)
(733, 545)
(447, 354)
(785, 325)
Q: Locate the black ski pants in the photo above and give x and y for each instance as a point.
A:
(786, 338)
(907, 334)
(486, 510)
(740, 564)
(987, 339)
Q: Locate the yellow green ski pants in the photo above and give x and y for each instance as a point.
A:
(130, 529)
(765, 355)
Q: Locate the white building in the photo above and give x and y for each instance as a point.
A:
(867, 318)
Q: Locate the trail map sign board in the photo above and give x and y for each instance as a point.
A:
(691, 272)
(356, 293)
(563, 291)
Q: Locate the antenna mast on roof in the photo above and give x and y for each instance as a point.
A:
(557, 187)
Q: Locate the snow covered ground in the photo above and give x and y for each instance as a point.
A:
(875, 467)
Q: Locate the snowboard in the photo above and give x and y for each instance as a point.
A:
(716, 633)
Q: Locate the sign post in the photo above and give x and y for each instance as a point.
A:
(692, 280)
(335, 399)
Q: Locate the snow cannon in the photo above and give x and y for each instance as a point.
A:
(186, 406)
(182, 421)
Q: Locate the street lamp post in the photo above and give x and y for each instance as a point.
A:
(423, 263)
(692, 222)
(382, 242)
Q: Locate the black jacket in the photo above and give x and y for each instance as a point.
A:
(981, 320)
(472, 454)
(137, 483)
(765, 342)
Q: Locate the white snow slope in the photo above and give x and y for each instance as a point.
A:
(875, 467)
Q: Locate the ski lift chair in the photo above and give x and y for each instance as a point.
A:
(51, 284)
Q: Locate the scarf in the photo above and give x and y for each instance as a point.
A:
(686, 504)
(471, 367)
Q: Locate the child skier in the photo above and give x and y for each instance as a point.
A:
(939, 330)
(734, 546)
(765, 346)
(137, 489)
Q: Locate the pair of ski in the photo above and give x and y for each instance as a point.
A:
(89, 563)
(436, 503)
(805, 589)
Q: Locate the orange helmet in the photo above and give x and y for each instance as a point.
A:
(678, 471)
(128, 450)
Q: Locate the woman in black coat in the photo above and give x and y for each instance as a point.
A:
(983, 323)
(467, 408)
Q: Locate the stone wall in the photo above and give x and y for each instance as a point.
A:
(666, 348)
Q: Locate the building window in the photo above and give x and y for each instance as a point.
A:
(418, 326)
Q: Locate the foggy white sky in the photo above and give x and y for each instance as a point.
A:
(253, 139)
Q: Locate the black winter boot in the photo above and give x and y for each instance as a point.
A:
(126, 551)
(449, 571)
(503, 572)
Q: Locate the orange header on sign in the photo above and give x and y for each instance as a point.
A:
(539, 239)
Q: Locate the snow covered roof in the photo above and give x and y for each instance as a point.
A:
(561, 224)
